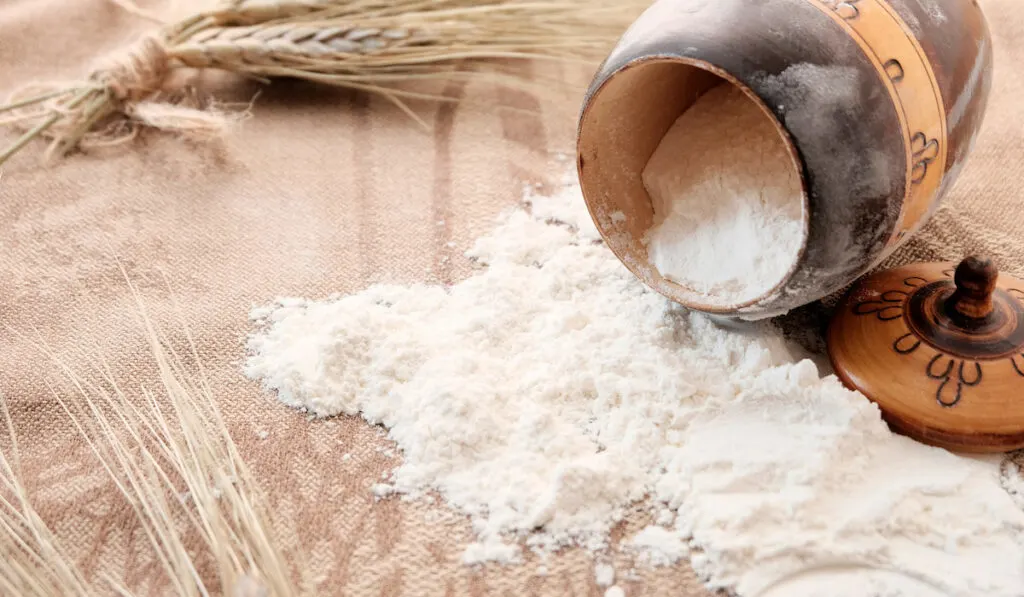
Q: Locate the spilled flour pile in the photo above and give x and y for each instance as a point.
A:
(549, 393)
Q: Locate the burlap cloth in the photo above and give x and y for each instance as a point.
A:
(322, 191)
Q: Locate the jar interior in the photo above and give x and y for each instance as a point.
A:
(621, 128)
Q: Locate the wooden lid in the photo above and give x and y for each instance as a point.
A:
(940, 348)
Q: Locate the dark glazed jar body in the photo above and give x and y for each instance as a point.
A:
(879, 102)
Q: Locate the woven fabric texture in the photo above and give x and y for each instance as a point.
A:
(322, 191)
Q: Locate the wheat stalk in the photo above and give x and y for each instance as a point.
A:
(34, 564)
(377, 46)
(168, 451)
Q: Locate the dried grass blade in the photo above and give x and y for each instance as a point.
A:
(36, 99)
(35, 563)
(40, 128)
(152, 444)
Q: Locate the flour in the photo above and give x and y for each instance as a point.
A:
(727, 198)
(1013, 477)
(604, 575)
(551, 394)
(659, 546)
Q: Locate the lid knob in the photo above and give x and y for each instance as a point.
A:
(975, 280)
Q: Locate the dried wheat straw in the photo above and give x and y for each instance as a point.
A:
(34, 564)
(168, 451)
(378, 46)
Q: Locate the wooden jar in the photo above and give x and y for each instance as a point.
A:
(878, 101)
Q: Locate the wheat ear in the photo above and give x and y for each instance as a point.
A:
(370, 45)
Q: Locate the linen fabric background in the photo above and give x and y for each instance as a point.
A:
(322, 191)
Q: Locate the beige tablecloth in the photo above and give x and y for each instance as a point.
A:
(322, 191)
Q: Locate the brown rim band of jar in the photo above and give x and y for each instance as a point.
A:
(904, 68)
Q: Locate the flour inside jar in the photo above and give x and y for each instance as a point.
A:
(728, 201)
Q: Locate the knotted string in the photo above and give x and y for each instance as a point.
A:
(121, 95)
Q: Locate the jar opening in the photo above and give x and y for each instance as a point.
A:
(693, 183)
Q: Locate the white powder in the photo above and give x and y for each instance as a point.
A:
(615, 591)
(604, 574)
(551, 393)
(494, 551)
(727, 198)
(1012, 477)
(659, 546)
